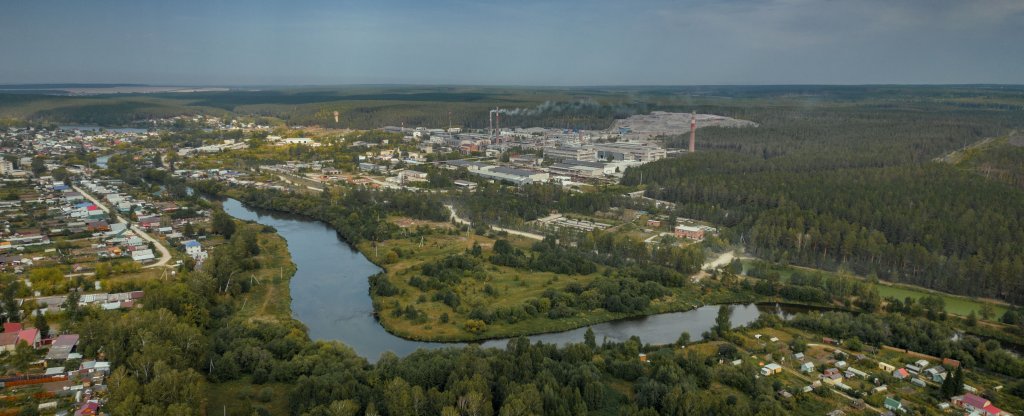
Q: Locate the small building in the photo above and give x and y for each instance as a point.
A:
(880, 389)
(951, 363)
(62, 347)
(936, 374)
(799, 356)
(459, 183)
(922, 364)
(901, 374)
(888, 368)
(643, 358)
(770, 369)
(918, 382)
(970, 402)
(143, 255)
(853, 372)
(893, 404)
(832, 376)
(841, 364)
(30, 336)
(807, 367)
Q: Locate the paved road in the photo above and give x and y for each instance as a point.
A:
(165, 255)
(460, 220)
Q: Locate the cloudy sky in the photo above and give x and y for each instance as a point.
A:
(513, 42)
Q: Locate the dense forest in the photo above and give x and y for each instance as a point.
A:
(857, 188)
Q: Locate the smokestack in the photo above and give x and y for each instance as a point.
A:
(693, 132)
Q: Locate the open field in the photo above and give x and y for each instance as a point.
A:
(501, 287)
(957, 305)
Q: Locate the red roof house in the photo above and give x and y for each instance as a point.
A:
(30, 336)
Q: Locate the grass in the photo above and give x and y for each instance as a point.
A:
(241, 397)
(267, 301)
(955, 304)
(514, 287)
(270, 298)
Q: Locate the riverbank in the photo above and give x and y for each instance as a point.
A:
(268, 302)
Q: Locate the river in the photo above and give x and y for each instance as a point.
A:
(330, 295)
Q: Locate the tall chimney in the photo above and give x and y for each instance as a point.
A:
(693, 132)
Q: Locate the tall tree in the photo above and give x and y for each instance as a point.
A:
(589, 338)
(42, 325)
(723, 322)
(222, 223)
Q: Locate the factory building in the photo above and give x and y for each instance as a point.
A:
(500, 173)
(581, 153)
(686, 231)
(579, 168)
(516, 176)
(640, 152)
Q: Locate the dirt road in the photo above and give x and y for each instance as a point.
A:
(460, 220)
(165, 255)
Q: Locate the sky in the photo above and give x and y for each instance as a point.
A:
(512, 42)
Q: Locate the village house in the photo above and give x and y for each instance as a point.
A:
(893, 404)
(770, 369)
(901, 374)
(832, 376)
(975, 404)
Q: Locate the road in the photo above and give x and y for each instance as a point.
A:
(165, 254)
(459, 220)
(722, 260)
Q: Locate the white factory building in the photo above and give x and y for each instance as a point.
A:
(639, 152)
(500, 173)
(580, 153)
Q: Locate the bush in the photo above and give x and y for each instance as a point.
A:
(265, 395)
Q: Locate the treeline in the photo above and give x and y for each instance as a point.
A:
(814, 287)
(930, 224)
(357, 214)
(849, 181)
